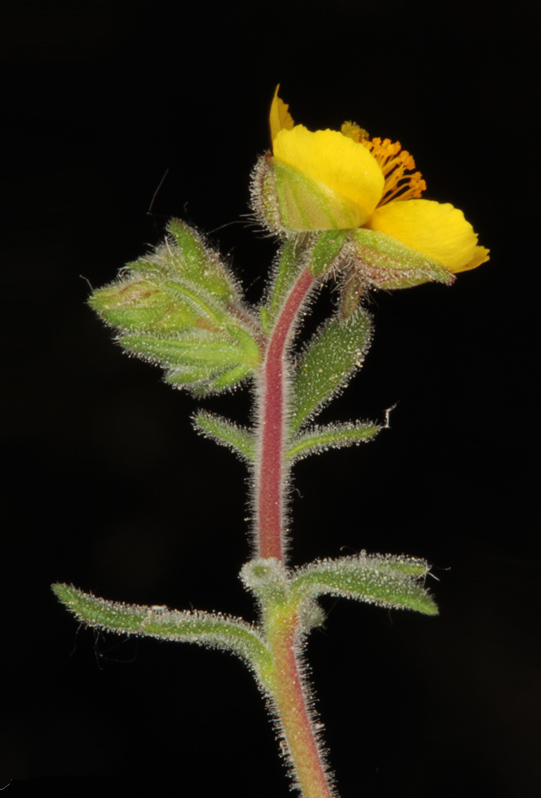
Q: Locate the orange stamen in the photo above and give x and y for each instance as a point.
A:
(395, 163)
(353, 131)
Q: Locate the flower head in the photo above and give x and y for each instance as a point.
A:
(342, 179)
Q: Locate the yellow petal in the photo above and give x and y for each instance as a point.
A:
(279, 117)
(480, 255)
(343, 165)
(437, 230)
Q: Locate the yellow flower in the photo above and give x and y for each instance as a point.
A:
(330, 179)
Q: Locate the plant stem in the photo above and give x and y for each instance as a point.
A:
(291, 700)
(271, 470)
(289, 688)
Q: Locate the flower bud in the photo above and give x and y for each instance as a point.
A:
(180, 307)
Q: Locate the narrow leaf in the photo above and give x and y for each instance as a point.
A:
(327, 363)
(384, 580)
(320, 438)
(203, 628)
(226, 433)
(287, 269)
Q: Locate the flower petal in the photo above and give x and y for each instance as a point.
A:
(279, 117)
(343, 165)
(438, 230)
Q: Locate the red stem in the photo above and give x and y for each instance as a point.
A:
(271, 470)
(292, 699)
(289, 688)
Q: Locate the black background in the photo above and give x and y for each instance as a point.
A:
(108, 486)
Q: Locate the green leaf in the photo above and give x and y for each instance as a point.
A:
(197, 380)
(335, 436)
(385, 580)
(138, 304)
(204, 305)
(232, 377)
(246, 342)
(334, 353)
(212, 352)
(196, 262)
(225, 432)
(203, 628)
(285, 272)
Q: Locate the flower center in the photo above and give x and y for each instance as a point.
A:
(397, 165)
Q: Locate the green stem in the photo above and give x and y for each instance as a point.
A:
(291, 698)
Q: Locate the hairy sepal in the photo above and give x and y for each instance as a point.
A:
(180, 308)
(384, 262)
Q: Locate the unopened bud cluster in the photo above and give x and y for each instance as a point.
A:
(180, 307)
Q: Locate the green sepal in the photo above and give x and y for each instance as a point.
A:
(180, 308)
(334, 353)
(203, 628)
(326, 250)
(296, 202)
(387, 263)
(386, 580)
(226, 433)
(320, 438)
